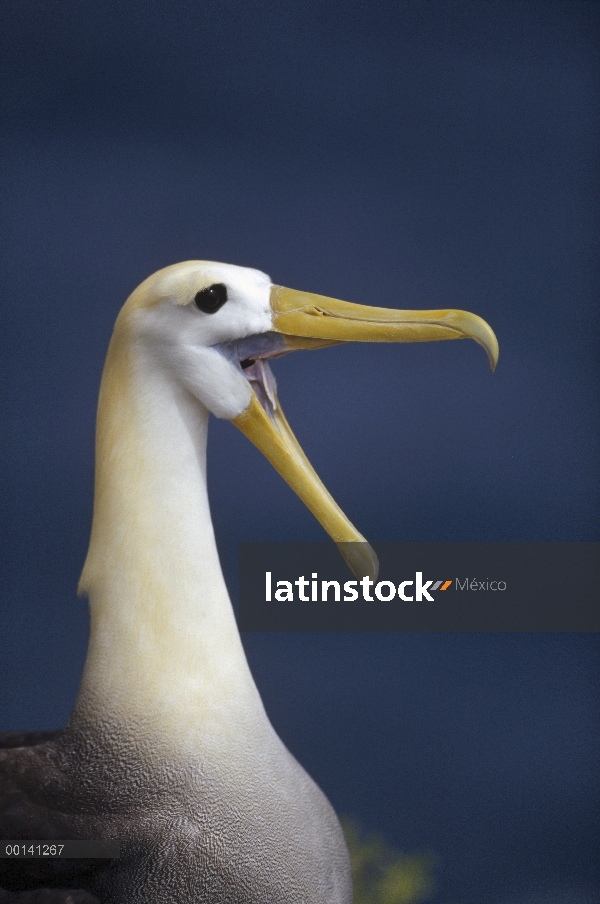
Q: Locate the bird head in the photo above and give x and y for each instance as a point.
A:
(215, 327)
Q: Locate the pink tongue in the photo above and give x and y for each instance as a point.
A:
(260, 376)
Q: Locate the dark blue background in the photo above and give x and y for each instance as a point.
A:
(408, 154)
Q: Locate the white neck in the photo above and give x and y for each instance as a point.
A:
(164, 647)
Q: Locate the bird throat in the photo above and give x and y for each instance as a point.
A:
(164, 647)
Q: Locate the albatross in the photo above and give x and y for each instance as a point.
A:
(168, 749)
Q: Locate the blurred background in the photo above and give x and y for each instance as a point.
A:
(405, 154)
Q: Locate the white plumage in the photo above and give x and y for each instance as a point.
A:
(169, 748)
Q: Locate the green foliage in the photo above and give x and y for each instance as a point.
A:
(381, 875)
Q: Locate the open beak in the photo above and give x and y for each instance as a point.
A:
(314, 321)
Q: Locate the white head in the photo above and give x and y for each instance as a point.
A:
(212, 327)
(191, 317)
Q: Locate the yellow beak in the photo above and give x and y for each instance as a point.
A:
(314, 321)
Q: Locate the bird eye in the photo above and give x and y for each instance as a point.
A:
(211, 299)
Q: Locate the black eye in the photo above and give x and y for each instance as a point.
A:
(211, 299)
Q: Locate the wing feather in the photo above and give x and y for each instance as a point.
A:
(25, 768)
